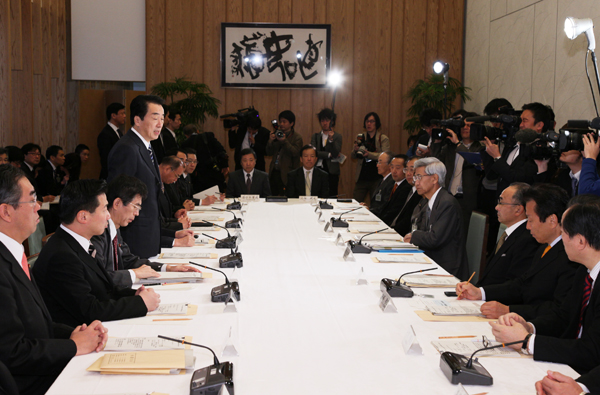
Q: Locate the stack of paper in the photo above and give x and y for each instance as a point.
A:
(175, 309)
(430, 281)
(356, 228)
(467, 348)
(188, 255)
(402, 258)
(172, 277)
(382, 244)
(145, 362)
(455, 307)
(144, 344)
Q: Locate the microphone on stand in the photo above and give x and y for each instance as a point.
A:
(236, 205)
(209, 380)
(234, 223)
(359, 248)
(339, 222)
(397, 290)
(228, 242)
(231, 260)
(221, 293)
(326, 206)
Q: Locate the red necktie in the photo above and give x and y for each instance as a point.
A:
(394, 190)
(587, 291)
(115, 249)
(25, 265)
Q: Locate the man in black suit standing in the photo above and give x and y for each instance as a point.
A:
(570, 334)
(108, 137)
(248, 180)
(167, 141)
(33, 347)
(133, 155)
(73, 283)
(438, 219)
(51, 178)
(516, 247)
(252, 135)
(399, 192)
(547, 282)
(402, 223)
(307, 180)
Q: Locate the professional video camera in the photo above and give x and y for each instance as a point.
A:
(507, 117)
(360, 141)
(454, 124)
(240, 118)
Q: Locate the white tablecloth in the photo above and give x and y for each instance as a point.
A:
(303, 325)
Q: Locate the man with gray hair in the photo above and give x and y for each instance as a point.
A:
(382, 194)
(437, 220)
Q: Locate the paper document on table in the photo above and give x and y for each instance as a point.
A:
(355, 228)
(166, 277)
(402, 258)
(468, 347)
(188, 255)
(456, 307)
(350, 214)
(430, 281)
(171, 309)
(144, 344)
(204, 217)
(198, 230)
(145, 362)
(212, 191)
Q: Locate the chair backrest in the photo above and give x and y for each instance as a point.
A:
(476, 241)
(501, 230)
(46, 238)
(35, 240)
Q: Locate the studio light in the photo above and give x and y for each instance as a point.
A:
(440, 67)
(257, 59)
(298, 54)
(574, 27)
(334, 79)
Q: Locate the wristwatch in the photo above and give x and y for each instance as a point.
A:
(525, 342)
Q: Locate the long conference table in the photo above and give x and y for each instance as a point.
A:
(303, 324)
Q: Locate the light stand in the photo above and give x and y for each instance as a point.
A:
(439, 68)
(334, 80)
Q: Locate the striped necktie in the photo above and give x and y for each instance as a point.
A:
(587, 291)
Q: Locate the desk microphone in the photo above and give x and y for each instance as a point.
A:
(339, 222)
(209, 380)
(231, 260)
(221, 293)
(398, 290)
(234, 223)
(236, 205)
(228, 242)
(359, 248)
(326, 206)
(459, 369)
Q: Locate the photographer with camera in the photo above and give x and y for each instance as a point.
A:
(367, 148)
(248, 133)
(328, 144)
(589, 181)
(284, 145)
(424, 139)
(213, 161)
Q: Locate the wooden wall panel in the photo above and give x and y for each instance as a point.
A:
(5, 71)
(184, 47)
(22, 83)
(54, 60)
(92, 114)
(36, 22)
(452, 24)
(59, 83)
(155, 42)
(16, 35)
(397, 91)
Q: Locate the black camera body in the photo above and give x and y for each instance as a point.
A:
(572, 138)
(360, 141)
(241, 117)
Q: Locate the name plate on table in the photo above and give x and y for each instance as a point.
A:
(239, 238)
(410, 342)
(348, 255)
(317, 208)
(339, 240)
(328, 227)
(250, 198)
(312, 199)
(231, 304)
(320, 217)
(386, 304)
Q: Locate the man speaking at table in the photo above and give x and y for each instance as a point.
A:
(32, 346)
(307, 180)
(74, 285)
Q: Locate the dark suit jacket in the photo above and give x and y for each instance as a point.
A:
(384, 191)
(591, 380)
(175, 197)
(30, 174)
(556, 332)
(106, 141)
(334, 147)
(166, 213)
(403, 224)
(212, 158)
(130, 156)
(163, 144)
(125, 259)
(49, 184)
(76, 287)
(443, 240)
(542, 288)
(237, 184)
(290, 154)
(34, 348)
(522, 169)
(558, 177)
(392, 207)
(512, 260)
(236, 138)
(319, 185)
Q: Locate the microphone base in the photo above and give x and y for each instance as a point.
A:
(325, 206)
(394, 289)
(228, 242)
(234, 223)
(344, 200)
(209, 380)
(234, 206)
(220, 294)
(455, 369)
(201, 224)
(276, 199)
(338, 223)
(232, 260)
(359, 248)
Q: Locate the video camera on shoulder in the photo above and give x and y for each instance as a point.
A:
(454, 124)
(239, 118)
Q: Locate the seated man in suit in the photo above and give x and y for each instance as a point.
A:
(384, 189)
(125, 195)
(548, 280)
(51, 178)
(307, 180)
(569, 334)
(74, 285)
(33, 347)
(399, 192)
(177, 199)
(438, 219)
(402, 224)
(248, 180)
(170, 169)
(516, 248)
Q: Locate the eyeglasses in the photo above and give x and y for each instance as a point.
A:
(419, 177)
(34, 201)
(370, 121)
(501, 203)
(486, 342)
(137, 207)
(408, 170)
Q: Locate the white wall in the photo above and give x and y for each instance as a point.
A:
(517, 49)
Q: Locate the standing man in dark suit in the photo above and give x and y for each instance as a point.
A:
(384, 189)
(133, 155)
(284, 145)
(402, 224)
(399, 192)
(248, 180)
(74, 285)
(329, 145)
(438, 219)
(108, 137)
(307, 180)
(543, 287)
(516, 248)
(32, 346)
(252, 135)
(570, 334)
(51, 178)
(167, 140)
